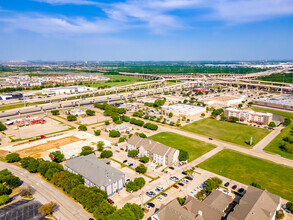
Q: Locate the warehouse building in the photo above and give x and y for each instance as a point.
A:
(223, 101)
(180, 110)
(280, 102)
(65, 90)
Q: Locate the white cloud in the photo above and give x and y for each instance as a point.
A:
(64, 2)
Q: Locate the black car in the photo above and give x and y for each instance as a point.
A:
(189, 178)
(210, 138)
(151, 204)
(234, 187)
(124, 161)
(172, 168)
(180, 184)
(227, 184)
(164, 194)
(184, 173)
(241, 190)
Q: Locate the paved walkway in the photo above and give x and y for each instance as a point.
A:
(267, 139)
(45, 192)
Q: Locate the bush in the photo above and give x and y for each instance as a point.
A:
(86, 150)
(4, 199)
(272, 124)
(107, 122)
(121, 139)
(142, 135)
(2, 126)
(287, 121)
(170, 115)
(289, 205)
(133, 153)
(151, 126)
(280, 214)
(56, 156)
(125, 118)
(47, 209)
(144, 159)
(181, 200)
(71, 118)
(114, 133)
(100, 145)
(55, 112)
(183, 155)
(256, 185)
(13, 157)
(97, 132)
(141, 169)
(4, 190)
(82, 128)
(106, 154)
(90, 112)
(118, 122)
(135, 185)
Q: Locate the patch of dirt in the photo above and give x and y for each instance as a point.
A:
(37, 150)
(3, 153)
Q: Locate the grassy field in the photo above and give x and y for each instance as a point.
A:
(273, 147)
(124, 80)
(277, 179)
(273, 111)
(194, 147)
(227, 131)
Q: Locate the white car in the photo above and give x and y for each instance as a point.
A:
(147, 207)
(185, 181)
(159, 198)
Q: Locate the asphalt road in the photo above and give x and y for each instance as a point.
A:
(45, 192)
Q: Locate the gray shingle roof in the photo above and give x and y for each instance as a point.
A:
(95, 170)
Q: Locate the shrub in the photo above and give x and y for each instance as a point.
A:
(56, 156)
(135, 185)
(71, 117)
(256, 185)
(181, 200)
(272, 124)
(106, 154)
(121, 139)
(151, 126)
(47, 209)
(287, 121)
(280, 214)
(2, 126)
(114, 133)
(86, 150)
(82, 128)
(170, 115)
(97, 132)
(183, 155)
(55, 112)
(90, 112)
(141, 169)
(289, 205)
(13, 157)
(107, 122)
(100, 145)
(142, 135)
(144, 159)
(133, 153)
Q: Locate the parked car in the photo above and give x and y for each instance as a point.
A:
(156, 167)
(234, 187)
(151, 204)
(185, 181)
(172, 168)
(124, 161)
(121, 149)
(176, 187)
(180, 184)
(159, 188)
(210, 138)
(127, 181)
(184, 173)
(174, 178)
(227, 184)
(164, 194)
(159, 198)
(110, 201)
(241, 190)
(189, 178)
(147, 207)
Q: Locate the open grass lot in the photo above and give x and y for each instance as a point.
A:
(124, 80)
(194, 147)
(273, 147)
(273, 111)
(226, 131)
(277, 179)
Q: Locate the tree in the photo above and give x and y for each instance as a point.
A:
(26, 161)
(106, 154)
(133, 153)
(142, 135)
(256, 185)
(26, 191)
(121, 139)
(183, 155)
(114, 133)
(240, 106)
(103, 210)
(55, 112)
(97, 132)
(100, 145)
(4, 199)
(56, 156)
(234, 119)
(82, 128)
(144, 159)
(170, 115)
(125, 118)
(71, 118)
(224, 118)
(2, 126)
(181, 201)
(43, 167)
(287, 121)
(203, 114)
(47, 209)
(280, 214)
(250, 103)
(141, 169)
(4, 190)
(140, 182)
(131, 186)
(11, 181)
(107, 122)
(13, 157)
(272, 124)
(86, 150)
(33, 165)
(90, 112)
(128, 212)
(289, 205)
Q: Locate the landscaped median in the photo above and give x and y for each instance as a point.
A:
(235, 133)
(195, 148)
(276, 178)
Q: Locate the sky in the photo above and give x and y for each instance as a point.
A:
(146, 30)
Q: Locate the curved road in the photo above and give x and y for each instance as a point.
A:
(45, 192)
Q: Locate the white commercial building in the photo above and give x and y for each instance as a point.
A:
(223, 101)
(249, 116)
(65, 90)
(183, 110)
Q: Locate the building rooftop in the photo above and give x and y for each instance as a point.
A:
(250, 112)
(94, 169)
(288, 101)
(218, 200)
(184, 108)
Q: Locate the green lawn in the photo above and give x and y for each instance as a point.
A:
(226, 131)
(194, 147)
(273, 111)
(273, 147)
(277, 179)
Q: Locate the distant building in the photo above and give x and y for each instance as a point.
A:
(222, 100)
(256, 204)
(76, 111)
(157, 152)
(65, 90)
(211, 208)
(183, 110)
(249, 116)
(97, 172)
(123, 128)
(280, 102)
(199, 90)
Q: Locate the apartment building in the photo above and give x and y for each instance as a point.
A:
(157, 152)
(249, 116)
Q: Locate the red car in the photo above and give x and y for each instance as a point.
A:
(110, 201)
(176, 187)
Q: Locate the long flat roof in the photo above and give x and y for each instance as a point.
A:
(288, 101)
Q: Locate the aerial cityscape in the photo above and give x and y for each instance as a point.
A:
(153, 110)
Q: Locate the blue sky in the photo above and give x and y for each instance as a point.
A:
(146, 30)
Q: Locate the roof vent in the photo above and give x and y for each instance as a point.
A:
(200, 212)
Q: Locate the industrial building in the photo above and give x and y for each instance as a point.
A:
(97, 172)
(180, 110)
(223, 101)
(280, 102)
(122, 128)
(65, 90)
(249, 116)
